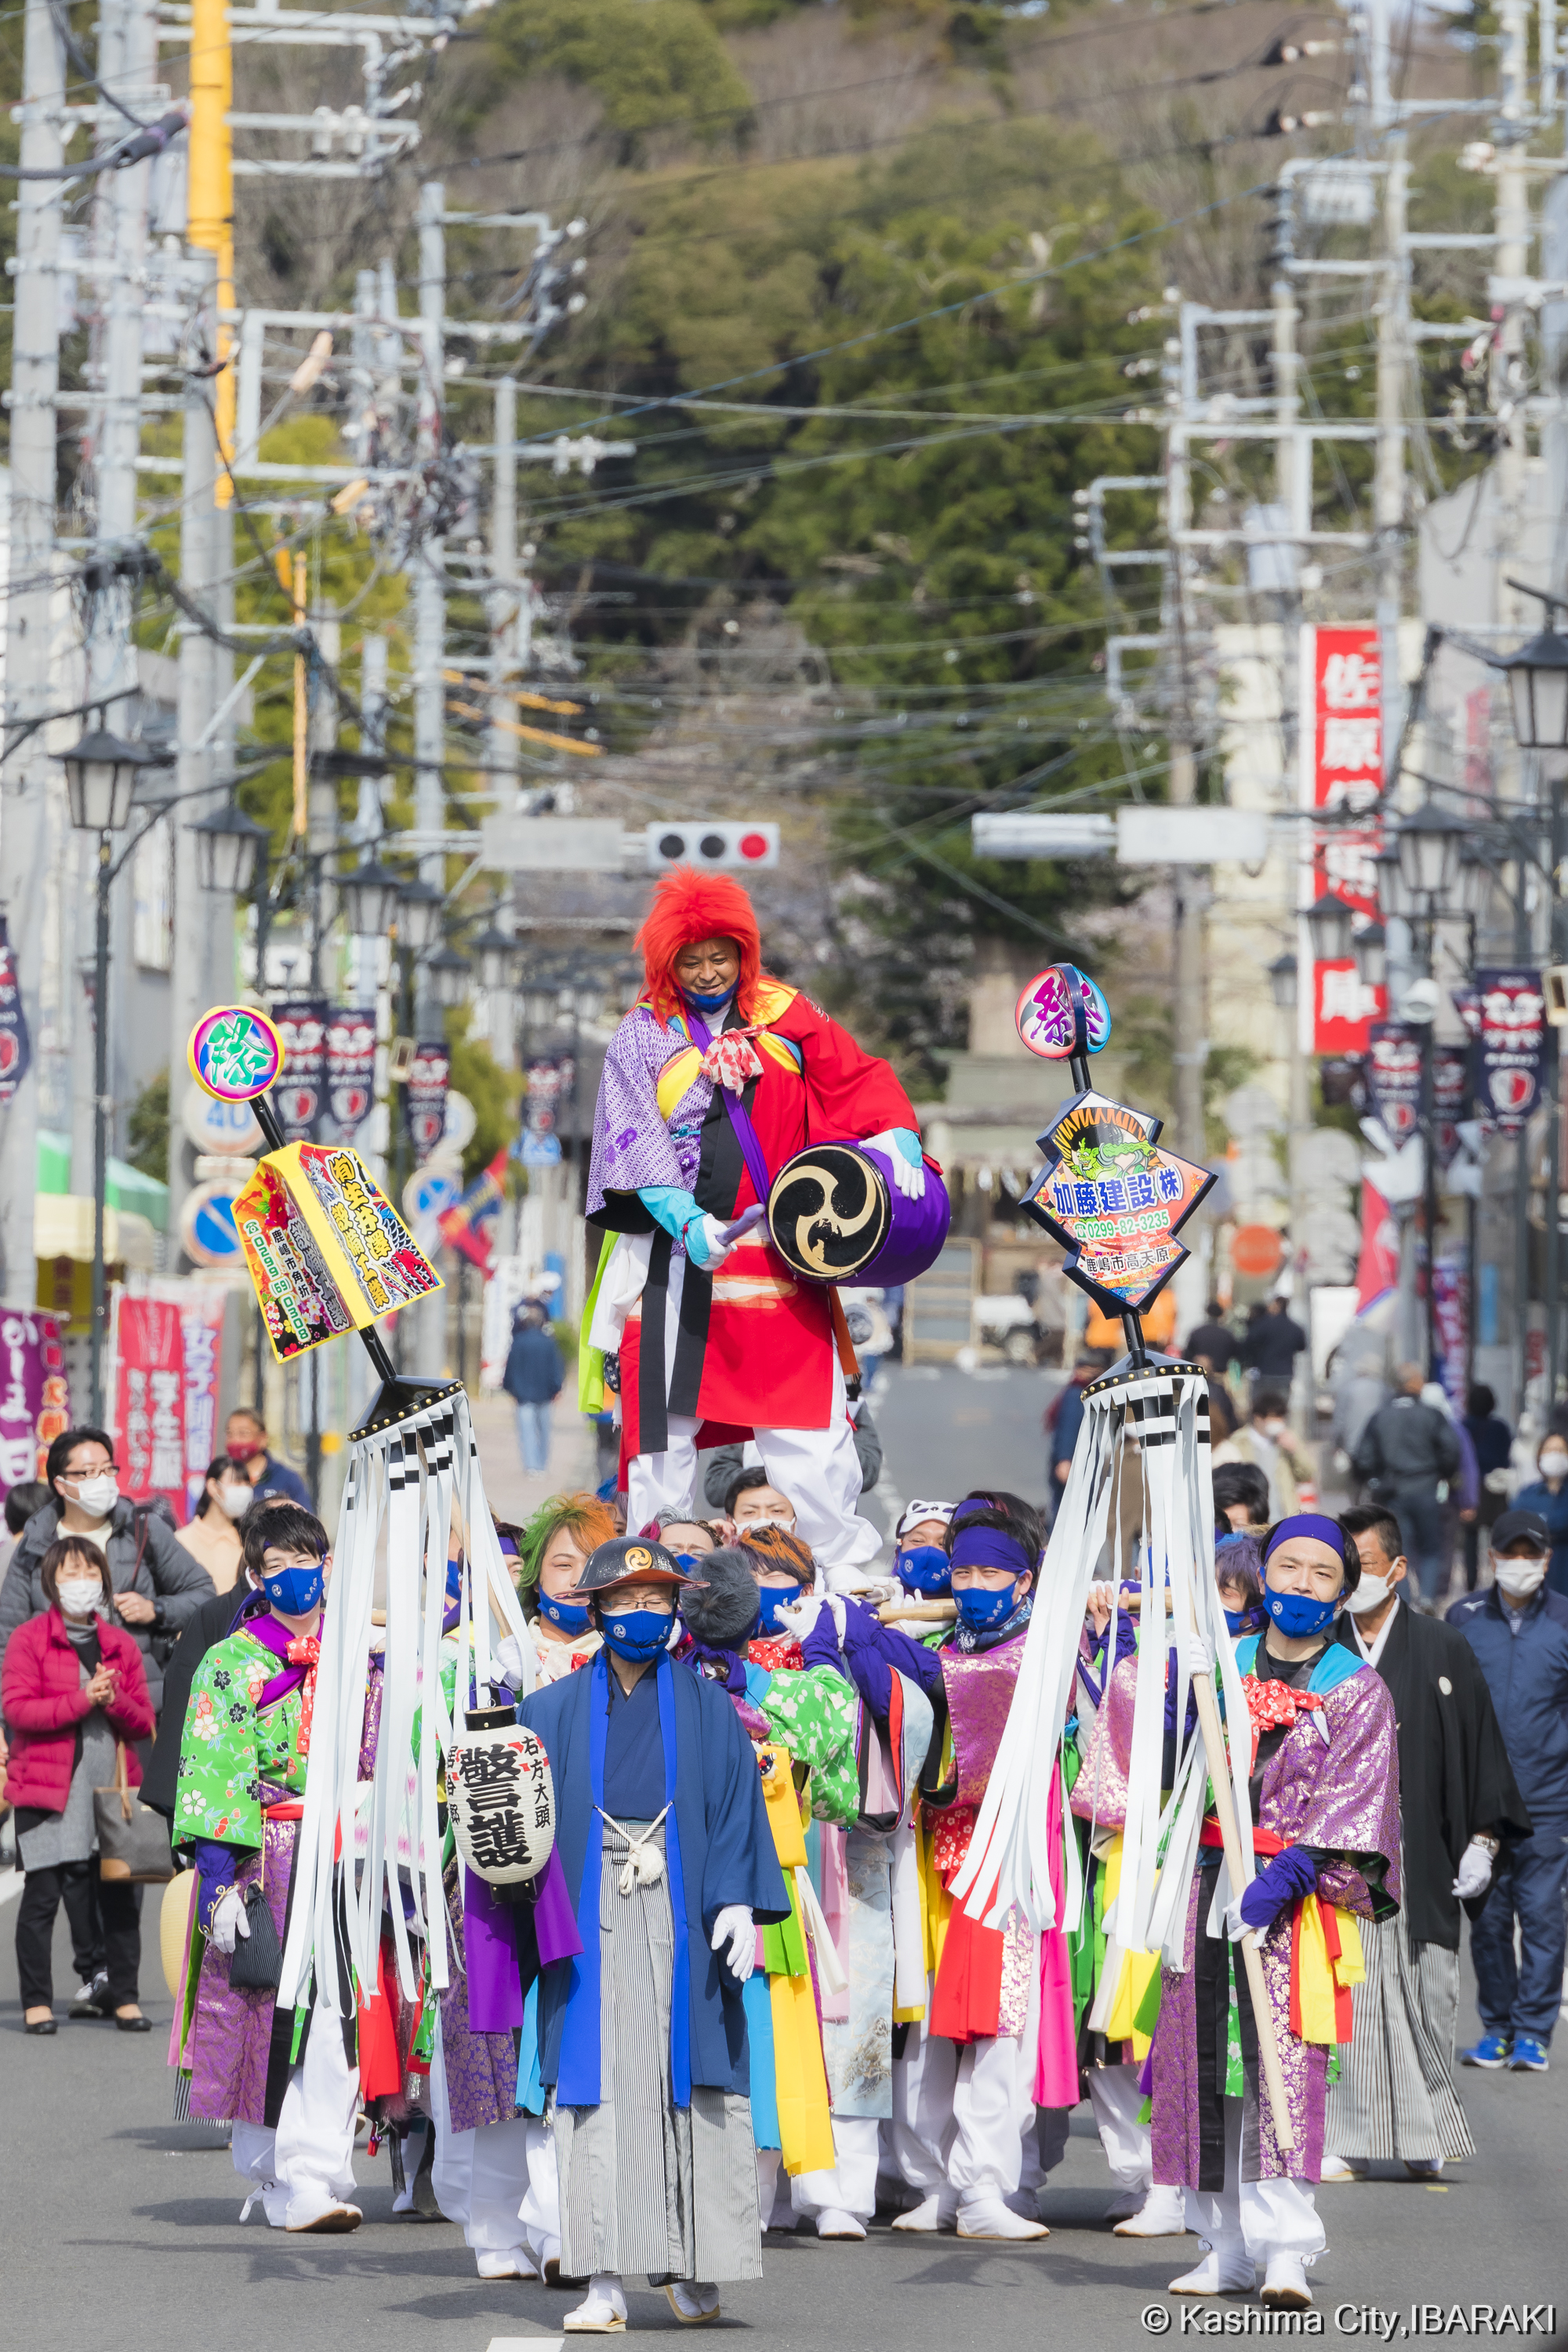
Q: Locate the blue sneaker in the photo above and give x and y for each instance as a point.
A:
(1491, 2051)
(1529, 2054)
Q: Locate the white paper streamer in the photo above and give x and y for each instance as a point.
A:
(1165, 1411)
(408, 1487)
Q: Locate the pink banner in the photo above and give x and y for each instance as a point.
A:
(1341, 774)
(1378, 1268)
(34, 1404)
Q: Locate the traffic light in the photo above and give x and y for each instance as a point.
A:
(717, 841)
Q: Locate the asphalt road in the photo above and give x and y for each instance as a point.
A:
(944, 1432)
(122, 2231)
(122, 2228)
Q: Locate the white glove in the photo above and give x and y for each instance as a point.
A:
(1234, 1924)
(735, 1927)
(228, 1920)
(705, 1243)
(902, 1146)
(1197, 1653)
(1475, 1872)
(802, 1615)
(508, 1658)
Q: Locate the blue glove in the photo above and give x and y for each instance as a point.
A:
(1283, 1881)
(669, 1206)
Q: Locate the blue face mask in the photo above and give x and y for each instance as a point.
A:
(924, 1569)
(708, 1004)
(772, 1597)
(635, 1634)
(569, 1616)
(1297, 1615)
(1235, 1619)
(982, 1610)
(295, 1590)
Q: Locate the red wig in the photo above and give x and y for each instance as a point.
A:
(687, 907)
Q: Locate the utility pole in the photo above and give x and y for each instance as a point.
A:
(1506, 388)
(1388, 503)
(429, 652)
(25, 775)
(508, 598)
(1190, 884)
(429, 586)
(193, 770)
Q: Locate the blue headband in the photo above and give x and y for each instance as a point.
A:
(990, 1548)
(1308, 1523)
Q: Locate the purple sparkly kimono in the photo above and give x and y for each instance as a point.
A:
(1340, 1797)
(239, 2047)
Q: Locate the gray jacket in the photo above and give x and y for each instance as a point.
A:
(165, 1574)
(1407, 1444)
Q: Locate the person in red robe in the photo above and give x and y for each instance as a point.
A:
(717, 1076)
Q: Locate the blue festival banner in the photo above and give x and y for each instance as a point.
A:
(15, 1045)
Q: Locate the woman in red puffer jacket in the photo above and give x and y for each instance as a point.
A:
(73, 1686)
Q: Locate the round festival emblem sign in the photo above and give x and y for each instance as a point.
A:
(1047, 1014)
(234, 1053)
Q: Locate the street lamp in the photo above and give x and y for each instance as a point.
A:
(1283, 979)
(449, 974)
(1370, 949)
(100, 777)
(228, 845)
(1330, 922)
(419, 916)
(1427, 848)
(371, 896)
(499, 954)
(1393, 897)
(1537, 674)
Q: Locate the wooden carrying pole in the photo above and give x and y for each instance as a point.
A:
(1252, 1958)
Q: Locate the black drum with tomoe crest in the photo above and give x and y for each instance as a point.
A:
(835, 1214)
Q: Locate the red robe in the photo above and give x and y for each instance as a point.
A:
(755, 1343)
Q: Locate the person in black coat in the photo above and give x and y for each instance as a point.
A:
(1459, 1805)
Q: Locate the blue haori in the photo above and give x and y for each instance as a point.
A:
(718, 1850)
(577, 2085)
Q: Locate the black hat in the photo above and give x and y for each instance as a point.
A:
(628, 1559)
(723, 1608)
(1521, 1527)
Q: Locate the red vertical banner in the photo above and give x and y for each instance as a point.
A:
(1341, 774)
(151, 1418)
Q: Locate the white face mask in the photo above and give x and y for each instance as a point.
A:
(1555, 1465)
(97, 1492)
(79, 1595)
(1520, 1577)
(235, 1500)
(1272, 1430)
(1370, 1594)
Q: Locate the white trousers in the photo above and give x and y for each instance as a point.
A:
(818, 1469)
(1259, 2217)
(310, 2155)
(1114, 2095)
(480, 2176)
(963, 2119)
(540, 2211)
(851, 2186)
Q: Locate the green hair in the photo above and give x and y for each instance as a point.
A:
(590, 1521)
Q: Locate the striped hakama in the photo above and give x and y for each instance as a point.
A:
(1395, 2096)
(647, 2186)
